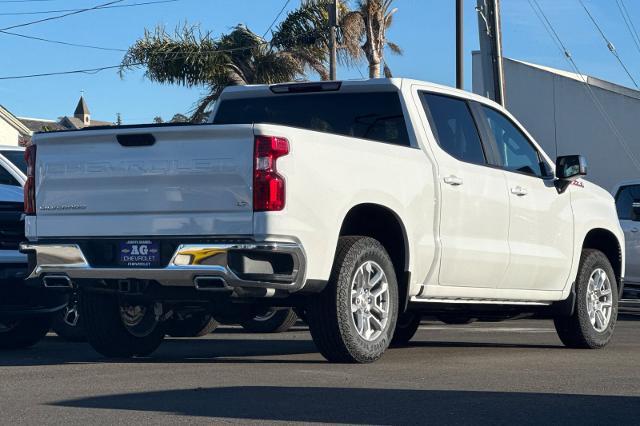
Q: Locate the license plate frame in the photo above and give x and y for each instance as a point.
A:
(139, 253)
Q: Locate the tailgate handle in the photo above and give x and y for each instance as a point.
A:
(136, 139)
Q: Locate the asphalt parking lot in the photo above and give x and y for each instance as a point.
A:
(497, 373)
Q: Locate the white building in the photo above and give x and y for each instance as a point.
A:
(12, 131)
(559, 111)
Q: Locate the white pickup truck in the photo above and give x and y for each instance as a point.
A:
(363, 204)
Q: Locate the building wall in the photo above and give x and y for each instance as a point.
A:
(8, 134)
(561, 115)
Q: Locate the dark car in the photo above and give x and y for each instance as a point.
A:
(26, 309)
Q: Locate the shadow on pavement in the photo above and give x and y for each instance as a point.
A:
(55, 351)
(371, 406)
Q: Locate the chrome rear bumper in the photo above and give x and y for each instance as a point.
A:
(188, 265)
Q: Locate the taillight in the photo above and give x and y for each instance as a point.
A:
(268, 186)
(30, 184)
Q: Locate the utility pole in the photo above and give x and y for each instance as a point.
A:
(459, 44)
(333, 27)
(491, 49)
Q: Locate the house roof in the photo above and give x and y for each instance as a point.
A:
(14, 121)
(82, 108)
(76, 123)
(38, 125)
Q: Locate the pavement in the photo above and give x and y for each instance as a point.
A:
(513, 372)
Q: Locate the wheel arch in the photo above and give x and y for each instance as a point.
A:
(606, 241)
(385, 225)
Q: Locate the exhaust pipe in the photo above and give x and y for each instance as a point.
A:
(211, 284)
(57, 281)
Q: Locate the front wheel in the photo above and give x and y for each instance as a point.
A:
(353, 319)
(271, 321)
(23, 333)
(121, 330)
(596, 307)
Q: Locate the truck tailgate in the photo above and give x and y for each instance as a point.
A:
(193, 180)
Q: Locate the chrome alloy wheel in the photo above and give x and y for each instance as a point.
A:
(599, 300)
(370, 300)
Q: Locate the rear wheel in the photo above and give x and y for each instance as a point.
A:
(596, 307)
(121, 330)
(24, 332)
(191, 325)
(271, 321)
(406, 327)
(354, 317)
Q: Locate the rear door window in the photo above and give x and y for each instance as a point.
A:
(376, 116)
(454, 127)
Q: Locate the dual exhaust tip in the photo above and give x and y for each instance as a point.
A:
(57, 281)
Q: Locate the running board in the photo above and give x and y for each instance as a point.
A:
(478, 301)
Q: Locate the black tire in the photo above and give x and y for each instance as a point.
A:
(107, 333)
(577, 331)
(62, 322)
(329, 312)
(194, 325)
(25, 332)
(406, 327)
(456, 320)
(277, 321)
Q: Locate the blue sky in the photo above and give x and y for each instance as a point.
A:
(424, 28)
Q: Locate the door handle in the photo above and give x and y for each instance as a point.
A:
(519, 191)
(634, 229)
(453, 180)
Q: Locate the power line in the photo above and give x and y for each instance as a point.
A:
(44, 12)
(51, 18)
(108, 67)
(610, 45)
(565, 52)
(276, 18)
(629, 23)
(64, 43)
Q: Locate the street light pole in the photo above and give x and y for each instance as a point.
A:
(491, 50)
(459, 44)
(333, 25)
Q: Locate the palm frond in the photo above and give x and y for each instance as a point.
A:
(394, 48)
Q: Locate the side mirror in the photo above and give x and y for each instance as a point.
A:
(635, 211)
(571, 167)
(568, 169)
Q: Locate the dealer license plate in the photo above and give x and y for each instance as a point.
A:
(139, 254)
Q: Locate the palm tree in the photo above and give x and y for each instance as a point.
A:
(304, 33)
(370, 22)
(191, 58)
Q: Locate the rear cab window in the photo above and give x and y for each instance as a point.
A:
(376, 116)
(454, 127)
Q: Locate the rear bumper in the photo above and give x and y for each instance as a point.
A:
(207, 267)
